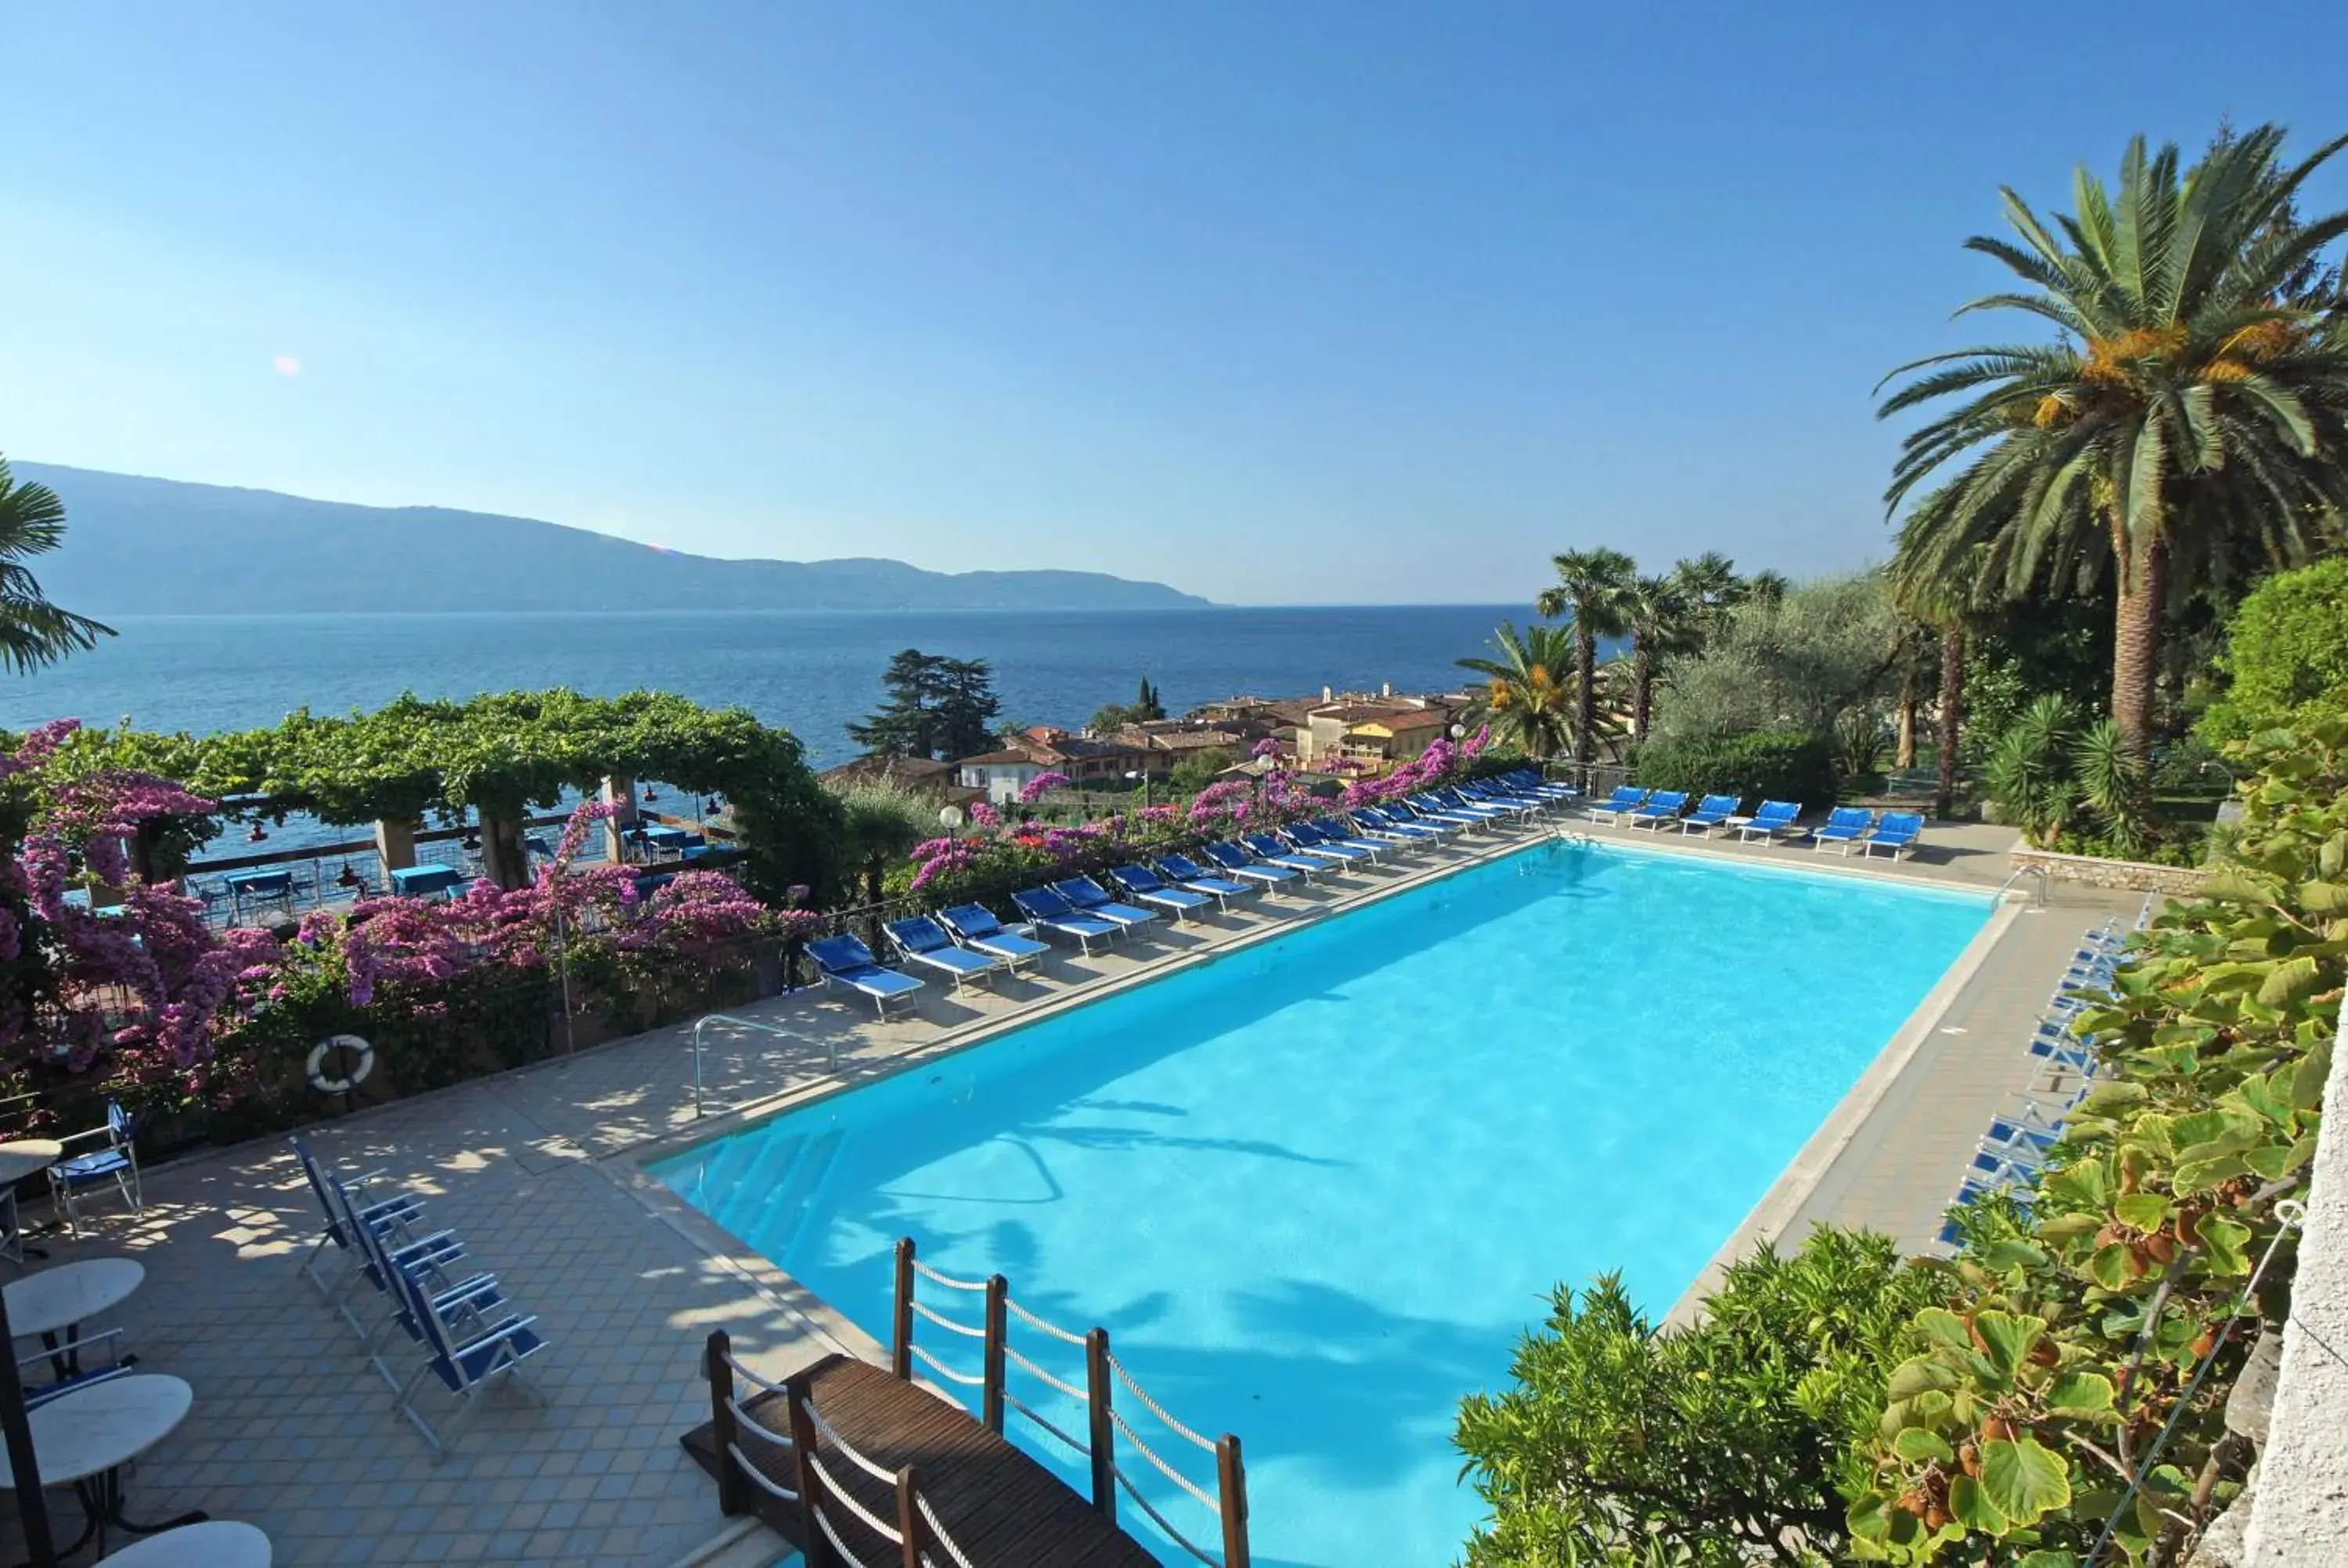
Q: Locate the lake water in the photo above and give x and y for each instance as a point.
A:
(810, 672)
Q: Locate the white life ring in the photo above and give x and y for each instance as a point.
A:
(359, 1069)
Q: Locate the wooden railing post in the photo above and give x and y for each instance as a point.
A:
(723, 1430)
(1230, 1476)
(910, 1530)
(1103, 1433)
(900, 1330)
(998, 1327)
(819, 1550)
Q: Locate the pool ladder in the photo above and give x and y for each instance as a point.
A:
(831, 1047)
(2038, 897)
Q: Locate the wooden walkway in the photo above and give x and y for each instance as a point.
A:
(1003, 1507)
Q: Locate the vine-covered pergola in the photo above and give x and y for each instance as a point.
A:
(501, 754)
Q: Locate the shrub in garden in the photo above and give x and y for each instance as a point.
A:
(2286, 654)
(1758, 765)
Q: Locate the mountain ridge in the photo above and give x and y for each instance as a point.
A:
(234, 550)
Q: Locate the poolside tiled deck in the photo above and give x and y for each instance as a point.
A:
(536, 1171)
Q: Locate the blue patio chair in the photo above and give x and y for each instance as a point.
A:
(468, 1360)
(1468, 798)
(1091, 899)
(116, 1161)
(1662, 806)
(923, 941)
(1771, 820)
(1186, 873)
(1474, 815)
(1241, 865)
(846, 958)
(1626, 799)
(1895, 834)
(391, 1215)
(1713, 811)
(1843, 825)
(980, 931)
(1140, 882)
(1050, 912)
(1525, 781)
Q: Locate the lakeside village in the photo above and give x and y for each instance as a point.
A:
(1324, 741)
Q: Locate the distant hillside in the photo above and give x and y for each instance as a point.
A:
(157, 546)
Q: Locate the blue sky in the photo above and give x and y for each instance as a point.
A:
(1289, 304)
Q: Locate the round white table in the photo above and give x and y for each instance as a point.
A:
(220, 1544)
(83, 1439)
(19, 1160)
(59, 1300)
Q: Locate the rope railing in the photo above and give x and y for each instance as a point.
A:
(1104, 1422)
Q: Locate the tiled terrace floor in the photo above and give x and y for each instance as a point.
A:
(292, 1431)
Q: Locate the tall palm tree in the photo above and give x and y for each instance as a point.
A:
(1530, 687)
(1940, 594)
(882, 822)
(2186, 405)
(1664, 619)
(33, 632)
(1711, 586)
(1593, 592)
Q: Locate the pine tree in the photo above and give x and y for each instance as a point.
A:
(966, 706)
(908, 723)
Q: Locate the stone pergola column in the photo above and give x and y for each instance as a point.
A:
(505, 860)
(395, 845)
(620, 794)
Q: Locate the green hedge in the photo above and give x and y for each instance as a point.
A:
(1761, 765)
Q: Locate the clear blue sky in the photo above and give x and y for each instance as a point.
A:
(1285, 303)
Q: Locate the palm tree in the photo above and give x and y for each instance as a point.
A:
(1529, 688)
(1766, 588)
(1593, 589)
(33, 632)
(1665, 620)
(2185, 407)
(882, 822)
(1941, 602)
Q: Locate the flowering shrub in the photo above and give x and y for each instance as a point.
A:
(1043, 784)
(984, 816)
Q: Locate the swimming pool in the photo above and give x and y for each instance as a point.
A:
(1317, 1188)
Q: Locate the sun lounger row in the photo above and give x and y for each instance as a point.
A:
(969, 943)
(461, 1328)
(1848, 827)
(2014, 1147)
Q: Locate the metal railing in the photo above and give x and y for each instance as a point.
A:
(2040, 897)
(1105, 1423)
(830, 1047)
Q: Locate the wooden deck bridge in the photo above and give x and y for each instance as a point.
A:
(860, 1467)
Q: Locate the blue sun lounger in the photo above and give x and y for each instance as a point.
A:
(1710, 811)
(1895, 834)
(1270, 851)
(1662, 806)
(1140, 882)
(1186, 873)
(923, 941)
(1843, 825)
(1770, 820)
(1626, 800)
(1298, 838)
(1052, 912)
(1526, 781)
(1397, 832)
(1094, 900)
(1335, 835)
(846, 958)
(981, 932)
(1236, 861)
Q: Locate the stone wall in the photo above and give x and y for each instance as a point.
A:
(2299, 1508)
(2087, 870)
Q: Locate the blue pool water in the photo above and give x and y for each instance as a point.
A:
(1316, 1190)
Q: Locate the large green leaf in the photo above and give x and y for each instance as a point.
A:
(2288, 978)
(1969, 1503)
(2079, 1393)
(2142, 1210)
(2223, 1245)
(2006, 1338)
(2023, 1479)
(1919, 1445)
(1940, 1324)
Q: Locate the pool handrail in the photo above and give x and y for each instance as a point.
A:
(830, 1047)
